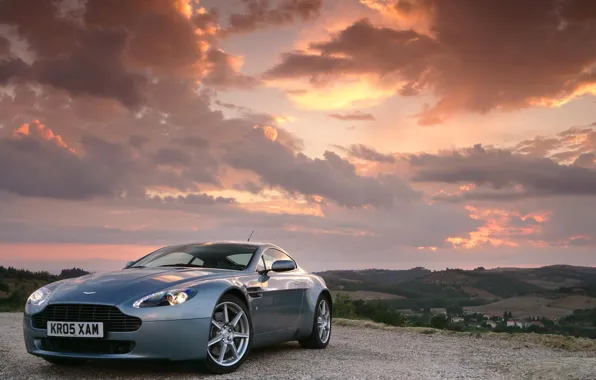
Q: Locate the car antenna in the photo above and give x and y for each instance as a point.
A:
(250, 235)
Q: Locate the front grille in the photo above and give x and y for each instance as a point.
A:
(113, 319)
(87, 346)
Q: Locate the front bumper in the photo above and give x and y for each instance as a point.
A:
(182, 339)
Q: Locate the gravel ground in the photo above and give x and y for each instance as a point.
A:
(353, 353)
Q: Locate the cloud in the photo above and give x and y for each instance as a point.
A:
(566, 146)
(331, 177)
(193, 199)
(226, 73)
(259, 14)
(539, 53)
(367, 153)
(37, 162)
(4, 47)
(355, 116)
(511, 175)
(107, 49)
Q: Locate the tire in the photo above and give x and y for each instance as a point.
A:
(64, 361)
(316, 339)
(230, 362)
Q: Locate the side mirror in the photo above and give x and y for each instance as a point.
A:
(283, 265)
(128, 264)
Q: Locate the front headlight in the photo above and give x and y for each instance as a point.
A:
(39, 296)
(165, 298)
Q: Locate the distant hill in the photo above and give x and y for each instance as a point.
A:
(375, 279)
(17, 284)
(492, 290)
(556, 276)
(530, 306)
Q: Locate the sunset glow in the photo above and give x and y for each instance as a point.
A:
(355, 133)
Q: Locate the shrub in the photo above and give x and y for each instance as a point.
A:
(439, 321)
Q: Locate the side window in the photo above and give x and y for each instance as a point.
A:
(271, 255)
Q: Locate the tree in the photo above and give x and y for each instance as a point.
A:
(439, 321)
(454, 310)
(343, 307)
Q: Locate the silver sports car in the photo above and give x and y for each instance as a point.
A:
(210, 302)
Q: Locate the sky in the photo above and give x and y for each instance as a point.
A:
(353, 133)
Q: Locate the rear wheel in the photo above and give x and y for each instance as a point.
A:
(64, 361)
(230, 335)
(321, 331)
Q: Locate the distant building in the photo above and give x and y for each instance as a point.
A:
(457, 319)
(492, 324)
(518, 323)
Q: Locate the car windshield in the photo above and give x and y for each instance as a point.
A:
(219, 256)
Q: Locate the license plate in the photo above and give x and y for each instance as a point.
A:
(76, 329)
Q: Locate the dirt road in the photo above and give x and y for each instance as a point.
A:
(354, 353)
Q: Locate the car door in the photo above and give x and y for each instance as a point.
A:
(280, 296)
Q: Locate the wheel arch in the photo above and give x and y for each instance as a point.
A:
(237, 292)
(326, 293)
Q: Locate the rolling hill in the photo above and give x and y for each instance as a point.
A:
(533, 306)
(552, 291)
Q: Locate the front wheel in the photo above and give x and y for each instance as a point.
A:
(321, 331)
(230, 335)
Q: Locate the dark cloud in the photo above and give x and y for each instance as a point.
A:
(111, 47)
(224, 74)
(250, 186)
(503, 170)
(171, 156)
(331, 177)
(352, 116)
(367, 153)
(490, 55)
(38, 163)
(79, 60)
(95, 67)
(586, 160)
(260, 14)
(137, 141)
(192, 142)
(4, 47)
(39, 168)
(234, 107)
(161, 38)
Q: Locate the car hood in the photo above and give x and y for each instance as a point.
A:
(116, 287)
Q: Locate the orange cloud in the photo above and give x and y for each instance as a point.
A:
(269, 131)
(357, 91)
(185, 7)
(418, 53)
(415, 15)
(38, 130)
(499, 229)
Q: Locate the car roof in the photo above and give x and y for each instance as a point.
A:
(226, 242)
